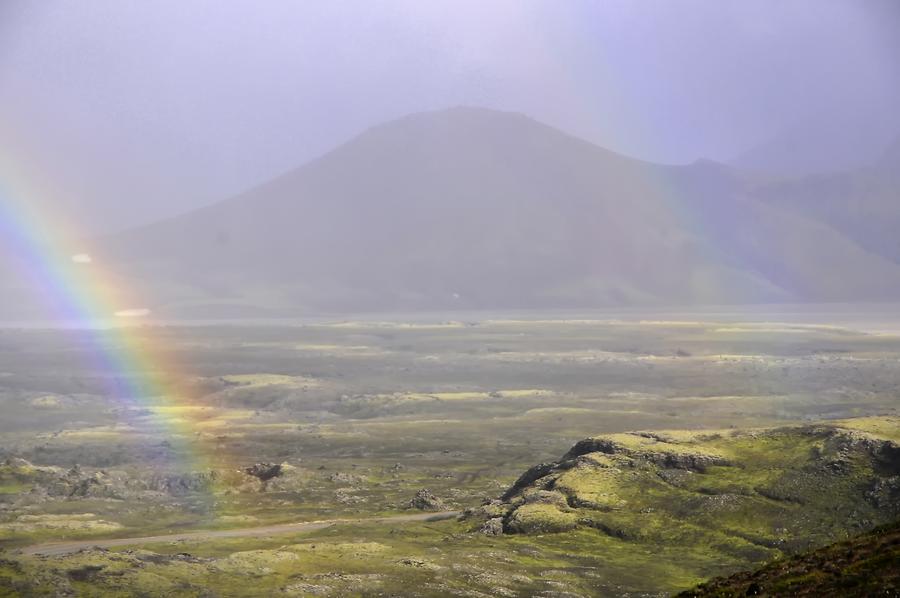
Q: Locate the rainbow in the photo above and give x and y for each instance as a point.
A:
(143, 379)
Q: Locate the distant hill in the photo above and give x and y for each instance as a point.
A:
(863, 205)
(472, 208)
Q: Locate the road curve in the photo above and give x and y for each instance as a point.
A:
(63, 548)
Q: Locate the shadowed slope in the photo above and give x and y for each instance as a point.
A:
(868, 565)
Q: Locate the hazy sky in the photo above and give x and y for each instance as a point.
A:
(129, 111)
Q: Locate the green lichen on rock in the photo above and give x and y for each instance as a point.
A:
(538, 518)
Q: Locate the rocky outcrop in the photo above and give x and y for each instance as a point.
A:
(593, 445)
(424, 500)
(625, 485)
(77, 482)
(492, 527)
(672, 459)
(264, 471)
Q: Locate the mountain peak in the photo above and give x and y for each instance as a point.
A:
(468, 121)
(465, 113)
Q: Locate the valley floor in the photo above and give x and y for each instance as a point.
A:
(360, 417)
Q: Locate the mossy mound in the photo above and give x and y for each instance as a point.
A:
(751, 494)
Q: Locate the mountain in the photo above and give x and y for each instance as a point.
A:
(461, 208)
(473, 208)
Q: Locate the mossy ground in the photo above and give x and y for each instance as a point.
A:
(654, 536)
(369, 413)
(415, 560)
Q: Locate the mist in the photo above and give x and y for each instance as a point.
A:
(129, 114)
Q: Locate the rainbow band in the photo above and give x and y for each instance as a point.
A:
(141, 375)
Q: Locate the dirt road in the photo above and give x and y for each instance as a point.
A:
(62, 548)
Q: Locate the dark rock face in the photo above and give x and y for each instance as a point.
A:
(693, 462)
(532, 475)
(424, 500)
(888, 456)
(264, 471)
(593, 445)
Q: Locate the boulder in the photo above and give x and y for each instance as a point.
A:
(264, 471)
(424, 500)
(492, 527)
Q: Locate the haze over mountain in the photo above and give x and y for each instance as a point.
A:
(114, 115)
(860, 204)
(822, 145)
(473, 208)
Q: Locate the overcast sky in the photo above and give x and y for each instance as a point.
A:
(129, 111)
